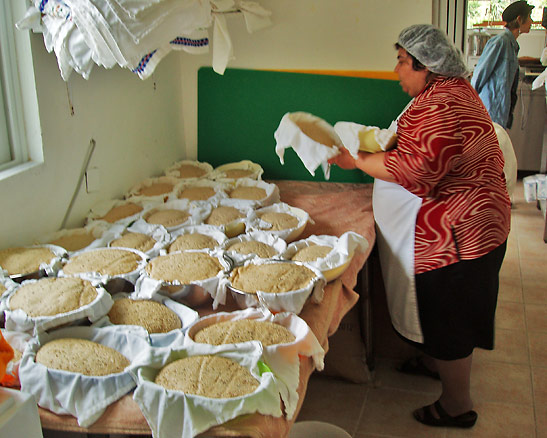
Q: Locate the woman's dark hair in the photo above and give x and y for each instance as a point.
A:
(512, 25)
(416, 65)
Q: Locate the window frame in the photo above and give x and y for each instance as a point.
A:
(19, 101)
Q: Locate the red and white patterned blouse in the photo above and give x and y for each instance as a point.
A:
(448, 154)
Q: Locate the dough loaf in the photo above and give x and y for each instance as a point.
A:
(271, 277)
(192, 241)
(21, 261)
(153, 316)
(311, 253)
(53, 296)
(110, 261)
(81, 356)
(183, 267)
(207, 376)
(243, 330)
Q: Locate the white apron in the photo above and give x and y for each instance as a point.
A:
(395, 211)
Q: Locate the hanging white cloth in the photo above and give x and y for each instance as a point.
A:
(256, 17)
(222, 44)
(136, 34)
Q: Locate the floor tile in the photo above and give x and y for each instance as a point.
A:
(510, 315)
(541, 421)
(510, 346)
(534, 291)
(532, 269)
(536, 317)
(538, 348)
(334, 401)
(374, 435)
(389, 412)
(511, 263)
(386, 376)
(499, 420)
(539, 382)
(497, 381)
(510, 289)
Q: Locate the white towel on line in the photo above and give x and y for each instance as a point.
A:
(136, 34)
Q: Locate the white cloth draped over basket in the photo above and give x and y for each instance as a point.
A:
(136, 34)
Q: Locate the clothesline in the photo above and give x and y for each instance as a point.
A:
(137, 34)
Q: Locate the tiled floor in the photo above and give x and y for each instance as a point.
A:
(509, 384)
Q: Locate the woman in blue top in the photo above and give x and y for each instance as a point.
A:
(496, 75)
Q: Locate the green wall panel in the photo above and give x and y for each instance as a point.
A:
(238, 113)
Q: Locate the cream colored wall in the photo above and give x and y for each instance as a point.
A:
(138, 132)
(310, 34)
(140, 127)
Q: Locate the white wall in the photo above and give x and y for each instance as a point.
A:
(310, 34)
(138, 131)
(141, 127)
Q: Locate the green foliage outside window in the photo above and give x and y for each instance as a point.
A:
(479, 11)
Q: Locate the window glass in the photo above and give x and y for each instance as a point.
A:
(13, 141)
(5, 149)
(487, 13)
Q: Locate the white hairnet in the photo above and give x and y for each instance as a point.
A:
(432, 48)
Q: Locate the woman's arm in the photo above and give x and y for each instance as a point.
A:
(371, 164)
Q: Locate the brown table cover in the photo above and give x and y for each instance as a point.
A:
(334, 209)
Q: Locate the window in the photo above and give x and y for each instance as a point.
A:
(18, 101)
(487, 13)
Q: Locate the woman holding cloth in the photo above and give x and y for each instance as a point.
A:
(443, 217)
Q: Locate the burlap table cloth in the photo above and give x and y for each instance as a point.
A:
(334, 208)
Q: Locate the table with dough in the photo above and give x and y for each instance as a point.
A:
(334, 208)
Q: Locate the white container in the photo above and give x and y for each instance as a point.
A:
(530, 188)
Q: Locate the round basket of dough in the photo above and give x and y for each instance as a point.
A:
(54, 302)
(230, 172)
(189, 170)
(259, 244)
(93, 235)
(255, 193)
(142, 236)
(118, 211)
(175, 214)
(279, 286)
(202, 190)
(80, 371)
(330, 254)
(285, 337)
(186, 391)
(230, 217)
(362, 138)
(30, 262)
(190, 277)
(117, 268)
(313, 139)
(158, 189)
(282, 220)
(165, 320)
(194, 237)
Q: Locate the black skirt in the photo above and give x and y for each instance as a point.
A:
(457, 306)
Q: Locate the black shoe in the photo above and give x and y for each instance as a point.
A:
(425, 416)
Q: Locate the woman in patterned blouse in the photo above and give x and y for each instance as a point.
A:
(448, 165)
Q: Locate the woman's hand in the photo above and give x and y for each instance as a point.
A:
(343, 159)
(371, 164)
